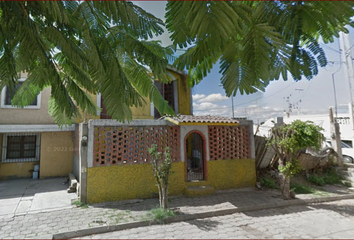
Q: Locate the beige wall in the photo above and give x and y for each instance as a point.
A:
(57, 154)
(28, 116)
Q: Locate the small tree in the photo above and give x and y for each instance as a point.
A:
(288, 140)
(161, 165)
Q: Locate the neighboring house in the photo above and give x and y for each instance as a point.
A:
(345, 122)
(29, 136)
(209, 153)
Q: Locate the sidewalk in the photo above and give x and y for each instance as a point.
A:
(99, 218)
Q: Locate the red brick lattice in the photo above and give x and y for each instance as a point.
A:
(129, 145)
(229, 142)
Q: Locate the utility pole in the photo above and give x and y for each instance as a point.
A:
(349, 71)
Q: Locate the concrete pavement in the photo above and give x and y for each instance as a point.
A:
(99, 218)
(23, 196)
(330, 220)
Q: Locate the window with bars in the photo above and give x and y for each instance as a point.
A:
(7, 95)
(20, 148)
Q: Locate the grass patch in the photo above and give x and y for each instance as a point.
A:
(269, 183)
(328, 177)
(301, 189)
(159, 215)
(77, 203)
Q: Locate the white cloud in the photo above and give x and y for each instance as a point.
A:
(197, 97)
(215, 97)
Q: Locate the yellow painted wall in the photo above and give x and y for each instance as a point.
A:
(184, 99)
(225, 174)
(114, 183)
(15, 170)
(142, 112)
(57, 153)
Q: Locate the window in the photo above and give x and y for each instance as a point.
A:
(20, 148)
(6, 97)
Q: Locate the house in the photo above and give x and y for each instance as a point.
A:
(209, 153)
(110, 158)
(29, 136)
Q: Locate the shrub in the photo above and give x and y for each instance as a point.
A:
(269, 183)
(316, 179)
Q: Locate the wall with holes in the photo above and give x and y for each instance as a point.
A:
(229, 142)
(125, 145)
(119, 166)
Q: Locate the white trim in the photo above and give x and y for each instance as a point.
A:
(98, 104)
(152, 109)
(3, 93)
(185, 130)
(35, 128)
(19, 160)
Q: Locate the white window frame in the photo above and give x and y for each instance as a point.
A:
(17, 160)
(3, 93)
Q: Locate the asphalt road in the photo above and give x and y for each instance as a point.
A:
(331, 220)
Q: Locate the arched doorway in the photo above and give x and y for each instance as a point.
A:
(194, 145)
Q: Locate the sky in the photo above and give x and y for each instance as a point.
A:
(308, 96)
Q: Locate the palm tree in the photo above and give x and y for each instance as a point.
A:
(255, 41)
(78, 48)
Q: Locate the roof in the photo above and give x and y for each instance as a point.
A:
(202, 120)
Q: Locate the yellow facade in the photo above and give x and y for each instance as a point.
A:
(57, 154)
(56, 158)
(113, 183)
(14, 170)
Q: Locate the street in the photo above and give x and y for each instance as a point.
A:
(331, 220)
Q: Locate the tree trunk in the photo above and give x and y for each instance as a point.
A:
(164, 200)
(160, 193)
(285, 185)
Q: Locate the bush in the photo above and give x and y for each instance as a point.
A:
(316, 179)
(269, 183)
(329, 177)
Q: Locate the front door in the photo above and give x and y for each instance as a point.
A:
(195, 159)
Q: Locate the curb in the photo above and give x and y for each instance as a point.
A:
(189, 217)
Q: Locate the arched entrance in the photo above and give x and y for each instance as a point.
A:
(194, 145)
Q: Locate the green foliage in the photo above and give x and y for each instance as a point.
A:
(269, 183)
(289, 139)
(291, 168)
(256, 42)
(161, 165)
(82, 48)
(78, 203)
(301, 189)
(328, 177)
(297, 136)
(160, 215)
(316, 179)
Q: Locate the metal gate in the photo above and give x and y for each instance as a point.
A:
(195, 159)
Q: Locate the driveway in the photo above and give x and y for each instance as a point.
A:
(22, 196)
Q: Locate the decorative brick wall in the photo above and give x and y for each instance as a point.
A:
(129, 145)
(229, 142)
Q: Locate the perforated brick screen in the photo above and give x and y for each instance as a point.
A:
(129, 145)
(229, 142)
